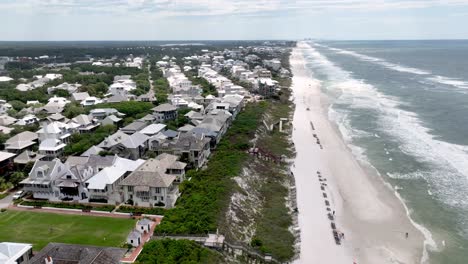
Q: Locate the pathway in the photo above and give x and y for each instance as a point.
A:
(145, 238)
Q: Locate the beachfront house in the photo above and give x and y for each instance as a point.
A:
(154, 182)
(190, 147)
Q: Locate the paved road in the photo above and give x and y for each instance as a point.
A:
(5, 202)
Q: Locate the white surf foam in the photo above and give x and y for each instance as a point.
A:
(449, 81)
(389, 65)
(457, 83)
(448, 161)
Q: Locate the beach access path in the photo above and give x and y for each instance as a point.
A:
(367, 211)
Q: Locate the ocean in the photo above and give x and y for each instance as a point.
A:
(402, 106)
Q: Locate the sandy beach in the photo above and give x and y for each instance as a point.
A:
(372, 218)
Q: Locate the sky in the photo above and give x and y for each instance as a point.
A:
(232, 19)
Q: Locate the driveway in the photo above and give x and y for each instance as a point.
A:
(5, 202)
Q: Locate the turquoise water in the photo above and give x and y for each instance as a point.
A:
(403, 107)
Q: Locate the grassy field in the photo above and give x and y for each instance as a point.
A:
(42, 228)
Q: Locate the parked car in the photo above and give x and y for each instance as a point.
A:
(19, 194)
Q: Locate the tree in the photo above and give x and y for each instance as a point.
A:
(17, 105)
(16, 177)
(61, 93)
(72, 110)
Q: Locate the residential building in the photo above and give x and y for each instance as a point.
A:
(111, 120)
(58, 253)
(6, 162)
(132, 147)
(101, 113)
(20, 142)
(90, 101)
(190, 147)
(78, 97)
(153, 183)
(54, 181)
(153, 129)
(85, 124)
(133, 127)
(165, 112)
(104, 185)
(53, 138)
(15, 253)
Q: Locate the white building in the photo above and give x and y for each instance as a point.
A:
(15, 253)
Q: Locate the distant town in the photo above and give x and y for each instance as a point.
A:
(132, 152)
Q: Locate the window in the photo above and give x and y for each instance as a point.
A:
(157, 190)
(130, 188)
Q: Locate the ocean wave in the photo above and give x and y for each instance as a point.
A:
(447, 173)
(388, 65)
(457, 83)
(449, 81)
(404, 125)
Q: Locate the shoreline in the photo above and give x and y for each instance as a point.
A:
(368, 212)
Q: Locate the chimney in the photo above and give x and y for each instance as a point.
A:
(48, 260)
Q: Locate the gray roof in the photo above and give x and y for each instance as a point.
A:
(135, 140)
(113, 139)
(144, 221)
(152, 173)
(164, 108)
(191, 141)
(134, 234)
(94, 150)
(148, 118)
(203, 131)
(185, 128)
(28, 156)
(117, 98)
(21, 140)
(212, 124)
(80, 96)
(135, 126)
(78, 254)
(148, 179)
(170, 133)
(82, 120)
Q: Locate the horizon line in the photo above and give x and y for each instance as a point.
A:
(199, 40)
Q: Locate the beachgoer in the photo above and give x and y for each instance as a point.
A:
(407, 234)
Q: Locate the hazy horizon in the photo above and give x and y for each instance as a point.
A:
(120, 20)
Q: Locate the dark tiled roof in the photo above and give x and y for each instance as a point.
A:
(78, 254)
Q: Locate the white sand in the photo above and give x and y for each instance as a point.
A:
(372, 218)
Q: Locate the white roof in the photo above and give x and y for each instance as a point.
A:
(51, 144)
(10, 252)
(152, 129)
(6, 155)
(110, 174)
(5, 79)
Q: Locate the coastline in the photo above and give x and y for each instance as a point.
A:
(368, 212)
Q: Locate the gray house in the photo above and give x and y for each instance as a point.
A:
(190, 147)
(164, 112)
(154, 183)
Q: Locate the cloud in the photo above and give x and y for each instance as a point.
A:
(177, 8)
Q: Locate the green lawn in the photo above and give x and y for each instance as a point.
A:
(42, 228)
